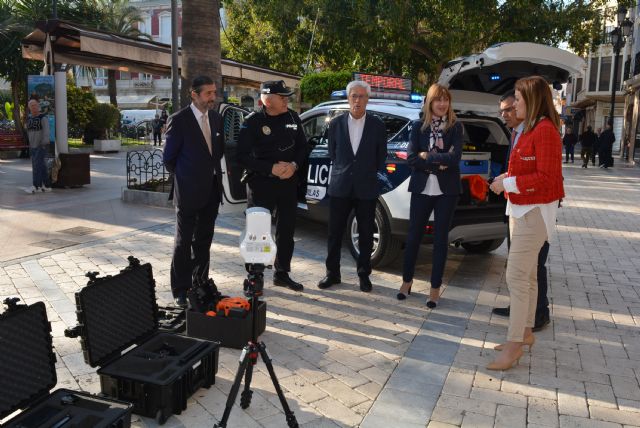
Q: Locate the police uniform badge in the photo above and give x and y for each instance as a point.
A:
(266, 130)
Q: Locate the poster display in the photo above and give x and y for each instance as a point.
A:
(42, 88)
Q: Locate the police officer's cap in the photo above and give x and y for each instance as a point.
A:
(277, 87)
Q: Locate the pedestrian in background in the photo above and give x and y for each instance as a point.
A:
(192, 153)
(596, 148)
(588, 141)
(358, 150)
(607, 138)
(533, 185)
(569, 142)
(542, 318)
(434, 152)
(156, 126)
(271, 148)
(38, 135)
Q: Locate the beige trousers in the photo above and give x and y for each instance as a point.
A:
(528, 234)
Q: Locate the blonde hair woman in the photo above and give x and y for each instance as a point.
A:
(434, 152)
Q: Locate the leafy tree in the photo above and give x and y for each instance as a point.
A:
(405, 37)
(317, 87)
(13, 67)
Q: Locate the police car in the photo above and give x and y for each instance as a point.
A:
(476, 82)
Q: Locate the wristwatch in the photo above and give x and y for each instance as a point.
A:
(295, 165)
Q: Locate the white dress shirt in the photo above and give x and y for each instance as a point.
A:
(549, 211)
(356, 126)
(205, 127)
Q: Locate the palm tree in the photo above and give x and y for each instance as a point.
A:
(200, 44)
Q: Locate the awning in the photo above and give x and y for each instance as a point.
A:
(583, 103)
(130, 101)
(77, 45)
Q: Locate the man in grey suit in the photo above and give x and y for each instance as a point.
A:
(358, 149)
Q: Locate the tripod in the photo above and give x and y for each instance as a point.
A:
(253, 289)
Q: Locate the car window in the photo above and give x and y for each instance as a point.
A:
(393, 124)
(315, 126)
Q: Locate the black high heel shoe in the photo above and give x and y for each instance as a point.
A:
(433, 301)
(401, 295)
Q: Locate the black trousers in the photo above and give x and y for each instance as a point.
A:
(194, 233)
(569, 150)
(421, 207)
(339, 211)
(157, 137)
(281, 196)
(542, 307)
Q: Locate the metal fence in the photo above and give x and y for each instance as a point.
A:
(146, 171)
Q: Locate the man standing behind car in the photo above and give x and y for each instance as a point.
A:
(357, 149)
(508, 113)
(271, 148)
(194, 147)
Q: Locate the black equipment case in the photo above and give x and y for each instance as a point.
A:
(164, 370)
(230, 332)
(27, 373)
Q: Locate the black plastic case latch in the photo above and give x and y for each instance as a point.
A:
(12, 303)
(73, 331)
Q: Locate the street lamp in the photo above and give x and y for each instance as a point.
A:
(618, 37)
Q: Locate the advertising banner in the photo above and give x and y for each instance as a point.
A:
(42, 88)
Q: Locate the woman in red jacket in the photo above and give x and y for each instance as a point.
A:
(533, 186)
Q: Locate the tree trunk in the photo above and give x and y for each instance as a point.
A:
(200, 45)
(111, 85)
(15, 94)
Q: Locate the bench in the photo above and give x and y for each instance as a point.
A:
(11, 140)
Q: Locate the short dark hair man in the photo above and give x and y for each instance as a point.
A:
(607, 139)
(271, 148)
(508, 113)
(588, 141)
(194, 147)
(156, 126)
(358, 150)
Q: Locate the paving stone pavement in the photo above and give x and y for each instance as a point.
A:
(346, 358)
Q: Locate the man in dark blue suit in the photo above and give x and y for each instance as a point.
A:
(358, 150)
(194, 147)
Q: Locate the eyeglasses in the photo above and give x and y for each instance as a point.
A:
(358, 97)
(507, 110)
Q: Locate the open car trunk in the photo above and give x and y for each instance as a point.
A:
(496, 70)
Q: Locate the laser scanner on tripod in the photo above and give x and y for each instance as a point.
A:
(256, 243)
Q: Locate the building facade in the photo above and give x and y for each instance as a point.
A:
(589, 94)
(632, 101)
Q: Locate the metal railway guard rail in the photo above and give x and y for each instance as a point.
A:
(146, 171)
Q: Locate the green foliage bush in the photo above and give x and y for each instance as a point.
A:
(105, 117)
(80, 106)
(317, 87)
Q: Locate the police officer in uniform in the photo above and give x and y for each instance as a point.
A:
(271, 148)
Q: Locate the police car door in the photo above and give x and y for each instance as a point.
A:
(232, 118)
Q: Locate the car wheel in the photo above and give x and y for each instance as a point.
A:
(479, 247)
(385, 246)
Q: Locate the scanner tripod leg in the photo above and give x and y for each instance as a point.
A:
(291, 418)
(233, 393)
